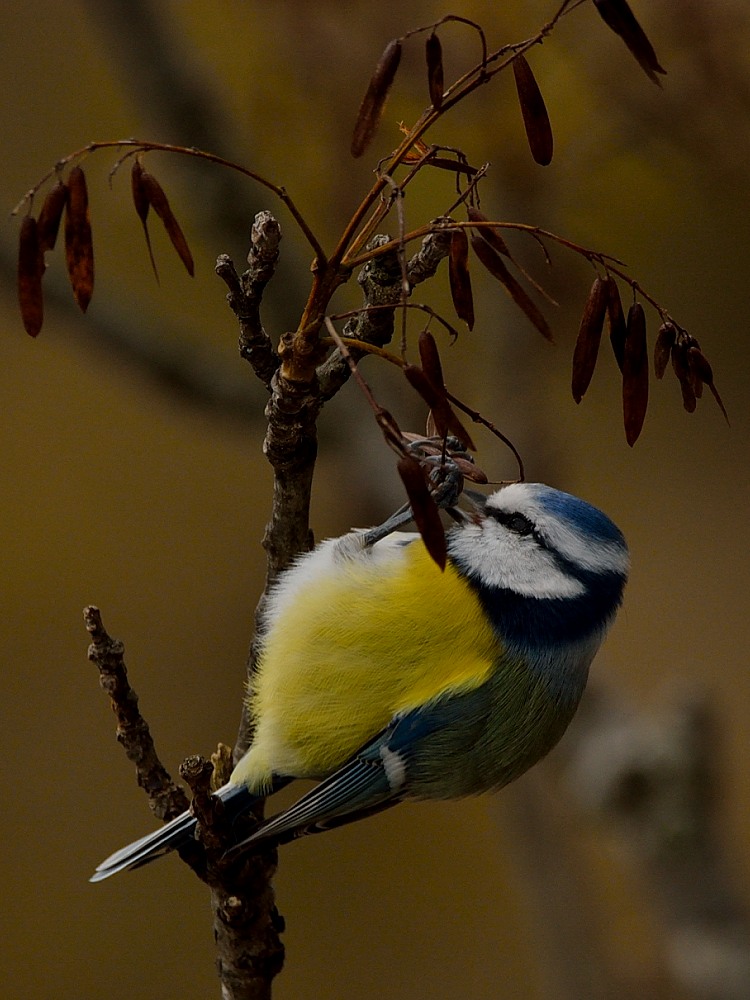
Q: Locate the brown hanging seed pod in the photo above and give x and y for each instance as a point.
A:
(616, 320)
(435, 78)
(665, 340)
(30, 271)
(157, 199)
(48, 223)
(520, 296)
(459, 277)
(621, 19)
(141, 199)
(444, 416)
(489, 233)
(142, 203)
(680, 368)
(79, 247)
(424, 509)
(534, 112)
(430, 358)
(699, 364)
(371, 108)
(589, 338)
(635, 374)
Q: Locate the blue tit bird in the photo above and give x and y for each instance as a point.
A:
(385, 678)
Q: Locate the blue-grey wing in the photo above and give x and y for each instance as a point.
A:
(376, 777)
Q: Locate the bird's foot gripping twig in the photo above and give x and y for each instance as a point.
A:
(450, 465)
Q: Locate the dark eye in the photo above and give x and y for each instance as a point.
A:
(515, 522)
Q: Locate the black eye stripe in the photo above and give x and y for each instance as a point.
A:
(513, 521)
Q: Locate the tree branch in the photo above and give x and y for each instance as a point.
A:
(166, 798)
(245, 295)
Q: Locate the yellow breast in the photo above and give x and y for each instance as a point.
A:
(366, 639)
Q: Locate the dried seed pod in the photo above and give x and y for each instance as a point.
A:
(699, 364)
(693, 370)
(371, 108)
(635, 374)
(665, 340)
(680, 367)
(430, 358)
(434, 57)
(489, 233)
(157, 199)
(141, 199)
(424, 509)
(469, 470)
(388, 425)
(30, 271)
(534, 111)
(520, 296)
(589, 338)
(79, 247)
(142, 204)
(459, 277)
(444, 416)
(616, 319)
(48, 223)
(621, 19)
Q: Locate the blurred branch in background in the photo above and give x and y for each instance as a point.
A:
(653, 781)
(177, 365)
(176, 97)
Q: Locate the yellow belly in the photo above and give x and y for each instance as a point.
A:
(369, 640)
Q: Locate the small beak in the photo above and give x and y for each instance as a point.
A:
(474, 516)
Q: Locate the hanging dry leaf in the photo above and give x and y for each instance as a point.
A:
(589, 338)
(371, 108)
(30, 271)
(79, 247)
(520, 296)
(459, 277)
(489, 233)
(621, 19)
(434, 56)
(534, 111)
(48, 223)
(665, 340)
(635, 374)
(153, 192)
(424, 509)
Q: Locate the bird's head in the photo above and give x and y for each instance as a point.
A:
(542, 561)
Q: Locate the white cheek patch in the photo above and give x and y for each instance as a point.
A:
(499, 558)
(588, 551)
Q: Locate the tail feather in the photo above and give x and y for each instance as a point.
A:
(171, 836)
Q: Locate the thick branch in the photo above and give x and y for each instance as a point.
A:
(382, 284)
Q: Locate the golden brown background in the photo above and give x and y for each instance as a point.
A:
(119, 489)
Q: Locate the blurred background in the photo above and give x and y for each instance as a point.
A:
(134, 480)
